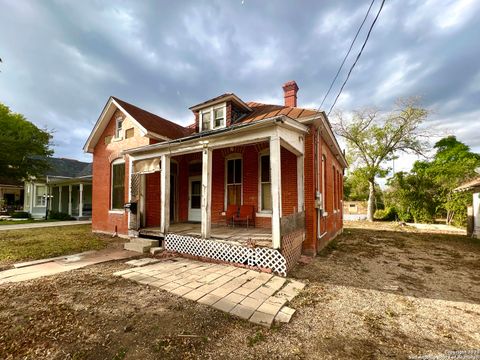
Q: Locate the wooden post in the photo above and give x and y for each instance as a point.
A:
(80, 201)
(206, 192)
(70, 200)
(165, 194)
(276, 188)
(300, 183)
(60, 198)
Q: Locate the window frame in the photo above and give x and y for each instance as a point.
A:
(44, 199)
(227, 159)
(119, 129)
(211, 111)
(116, 162)
(265, 152)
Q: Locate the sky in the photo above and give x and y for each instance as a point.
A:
(63, 59)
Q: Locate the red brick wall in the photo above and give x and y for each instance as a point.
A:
(152, 200)
(103, 155)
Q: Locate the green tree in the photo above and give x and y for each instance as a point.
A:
(453, 164)
(25, 147)
(373, 138)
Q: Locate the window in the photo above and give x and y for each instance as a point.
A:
(213, 118)
(206, 120)
(324, 177)
(219, 116)
(118, 128)
(40, 198)
(118, 185)
(265, 185)
(234, 182)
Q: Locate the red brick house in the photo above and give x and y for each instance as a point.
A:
(247, 182)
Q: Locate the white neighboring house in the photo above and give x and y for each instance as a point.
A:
(66, 187)
(473, 186)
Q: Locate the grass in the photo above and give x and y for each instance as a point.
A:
(21, 221)
(40, 243)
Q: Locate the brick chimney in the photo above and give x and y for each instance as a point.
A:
(290, 89)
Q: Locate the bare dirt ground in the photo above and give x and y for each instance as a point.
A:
(377, 292)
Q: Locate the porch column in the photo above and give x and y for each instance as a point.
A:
(165, 194)
(206, 192)
(70, 200)
(276, 188)
(60, 199)
(300, 183)
(80, 201)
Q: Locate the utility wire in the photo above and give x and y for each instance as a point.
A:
(346, 56)
(358, 57)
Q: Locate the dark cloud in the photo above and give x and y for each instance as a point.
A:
(63, 59)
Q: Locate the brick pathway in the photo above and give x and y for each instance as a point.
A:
(259, 297)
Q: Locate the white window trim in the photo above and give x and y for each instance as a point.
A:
(118, 136)
(212, 117)
(227, 158)
(260, 210)
(112, 210)
(35, 196)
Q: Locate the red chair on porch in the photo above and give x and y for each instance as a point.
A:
(230, 214)
(246, 215)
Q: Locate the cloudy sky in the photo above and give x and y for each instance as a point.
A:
(63, 59)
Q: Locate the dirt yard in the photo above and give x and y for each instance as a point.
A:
(374, 293)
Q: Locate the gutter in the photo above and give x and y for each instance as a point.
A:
(204, 134)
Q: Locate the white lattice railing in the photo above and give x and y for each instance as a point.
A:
(218, 250)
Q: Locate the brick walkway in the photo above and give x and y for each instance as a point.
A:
(259, 297)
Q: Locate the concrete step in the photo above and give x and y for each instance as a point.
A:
(137, 247)
(145, 242)
(156, 250)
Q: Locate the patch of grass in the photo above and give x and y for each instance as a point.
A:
(120, 354)
(40, 243)
(255, 339)
(23, 221)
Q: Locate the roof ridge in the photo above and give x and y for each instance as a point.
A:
(151, 113)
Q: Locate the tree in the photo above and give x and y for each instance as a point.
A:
(453, 164)
(374, 138)
(355, 187)
(25, 148)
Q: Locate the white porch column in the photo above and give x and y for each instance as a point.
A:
(206, 192)
(80, 201)
(165, 194)
(70, 200)
(60, 198)
(276, 188)
(300, 183)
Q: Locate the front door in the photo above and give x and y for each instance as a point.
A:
(194, 198)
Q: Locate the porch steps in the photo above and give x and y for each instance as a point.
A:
(141, 245)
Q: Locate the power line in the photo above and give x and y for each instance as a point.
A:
(348, 53)
(358, 56)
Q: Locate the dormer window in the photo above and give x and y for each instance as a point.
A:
(213, 118)
(219, 115)
(118, 128)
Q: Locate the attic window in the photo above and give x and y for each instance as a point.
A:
(118, 127)
(129, 133)
(213, 118)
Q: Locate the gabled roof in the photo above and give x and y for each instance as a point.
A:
(220, 99)
(150, 124)
(69, 168)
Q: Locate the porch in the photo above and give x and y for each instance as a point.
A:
(186, 192)
(252, 236)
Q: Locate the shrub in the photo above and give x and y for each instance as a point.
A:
(387, 214)
(21, 215)
(55, 215)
